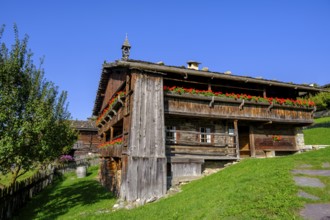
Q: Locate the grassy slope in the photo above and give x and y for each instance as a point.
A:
(69, 198)
(252, 189)
(255, 188)
(319, 133)
(5, 179)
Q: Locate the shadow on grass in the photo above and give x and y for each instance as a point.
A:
(58, 200)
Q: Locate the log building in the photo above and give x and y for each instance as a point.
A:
(162, 124)
(88, 139)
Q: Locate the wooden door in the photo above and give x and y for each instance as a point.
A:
(244, 141)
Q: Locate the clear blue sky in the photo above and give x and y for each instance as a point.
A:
(276, 39)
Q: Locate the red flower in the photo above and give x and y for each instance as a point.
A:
(276, 100)
(110, 143)
(109, 106)
(277, 137)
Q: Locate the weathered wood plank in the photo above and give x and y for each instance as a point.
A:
(252, 145)
(236, 138)
(204, 157)
(146, 166)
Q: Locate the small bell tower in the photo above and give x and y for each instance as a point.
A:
(125, 49)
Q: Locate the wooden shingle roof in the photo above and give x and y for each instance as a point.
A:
(83, 125)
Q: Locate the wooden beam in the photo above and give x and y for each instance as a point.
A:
(119, 100)
(236, 138)
(245, 118)
(209, 87)
(212, 102)
(252, 146)
(211, 84)
(241, 105)
(270, 107)
(186, 76)
(114, 112)
(111, 133)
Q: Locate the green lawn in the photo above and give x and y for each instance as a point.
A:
(251, 189)
(5, 179)
(319, 133)
(70, 198)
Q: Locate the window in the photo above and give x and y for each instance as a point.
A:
(205, 135)
(231, 130)
(107, 135)
(171, 134)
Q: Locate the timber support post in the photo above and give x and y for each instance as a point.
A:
(114, 112)
(119, 100)
(241, 105)
(212, 102)
(111, 133)
(252, 146)
(236, 138)
(270, 107)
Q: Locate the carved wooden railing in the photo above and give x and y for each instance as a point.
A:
(215, 107)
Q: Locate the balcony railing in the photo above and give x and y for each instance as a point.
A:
(214, 107)
(199, 144)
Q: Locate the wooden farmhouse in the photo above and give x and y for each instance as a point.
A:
(88, 139)
(162, 124)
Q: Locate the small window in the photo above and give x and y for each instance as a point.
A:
(171, 134)
(107, 135)
(205, 135)
(231, 130)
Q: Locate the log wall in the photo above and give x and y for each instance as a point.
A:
(144, 176)
(117, 77)
(264, 139)
(187, 141)
(87, 143)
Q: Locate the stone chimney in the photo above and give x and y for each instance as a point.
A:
(193, 65)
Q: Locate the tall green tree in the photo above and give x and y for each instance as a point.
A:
(34, 126)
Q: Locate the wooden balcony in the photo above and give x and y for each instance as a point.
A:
(215, 107)
(111, 112)
(197, 145)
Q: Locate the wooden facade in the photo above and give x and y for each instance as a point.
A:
(153, 137)
(88, 139)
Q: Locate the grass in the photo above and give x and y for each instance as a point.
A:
(5, 179)
(251, 189)
(70, 198)
(319, 133)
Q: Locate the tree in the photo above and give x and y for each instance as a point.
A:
(34, 126)
(322, 100)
